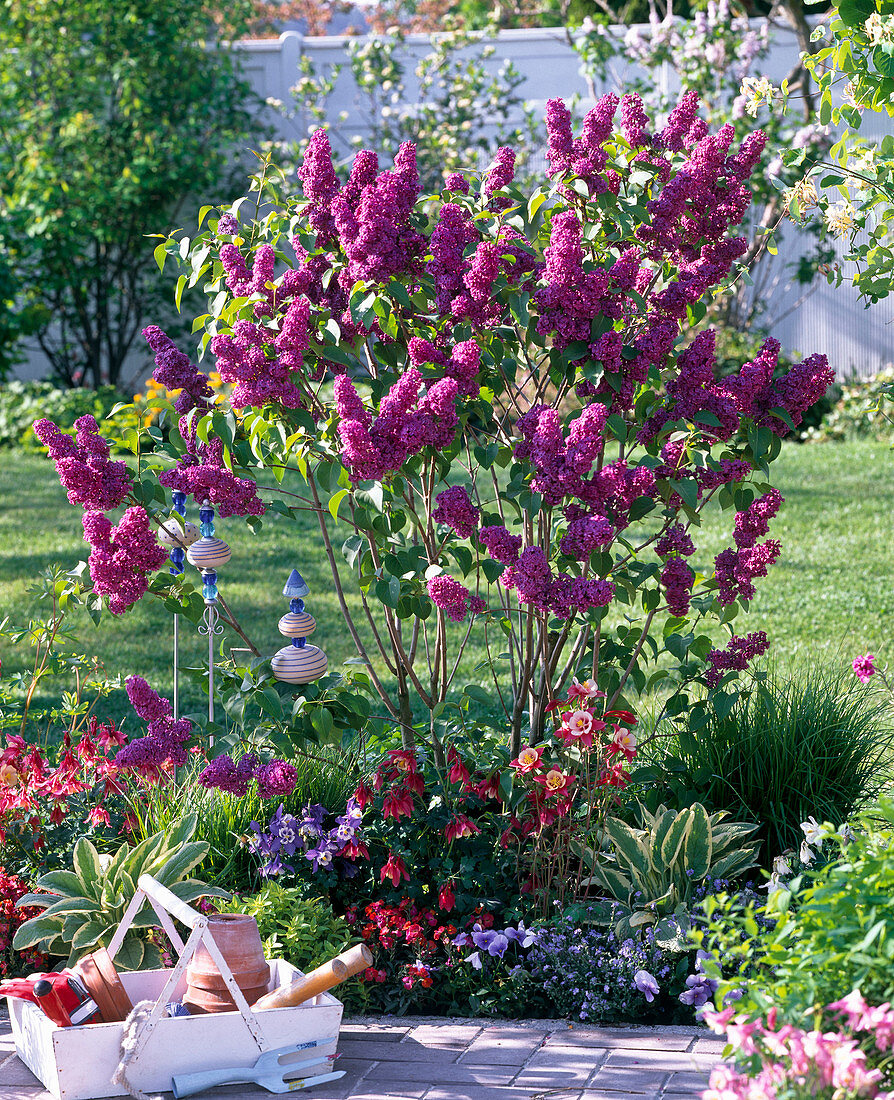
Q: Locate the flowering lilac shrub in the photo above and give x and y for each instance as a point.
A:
(488, 399)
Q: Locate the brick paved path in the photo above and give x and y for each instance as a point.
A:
(409, 1060)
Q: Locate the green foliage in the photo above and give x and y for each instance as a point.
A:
(861, 411)
(302, 930)
(816, 744)
(454, 107)
(84, 906)
(651, 872)
(829, 932)
(21, 403)
(110, 118)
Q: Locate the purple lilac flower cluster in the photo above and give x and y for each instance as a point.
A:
(261, 362)
(91, 478)
(494, 942)
(561, 594)
(455, 508)
(736, 568)
(336, 848)
(122, 557)
(405, 424)
(164, 744)
(276, 779)
(454, 598)
(201, 472)
(736, 657)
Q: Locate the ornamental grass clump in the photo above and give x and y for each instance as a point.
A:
(487, 401)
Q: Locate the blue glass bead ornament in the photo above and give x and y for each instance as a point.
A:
(299, 662)
(208, 552)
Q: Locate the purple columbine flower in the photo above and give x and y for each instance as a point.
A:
(646, 984)
(320, 857)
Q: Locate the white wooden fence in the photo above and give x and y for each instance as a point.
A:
(829, 320)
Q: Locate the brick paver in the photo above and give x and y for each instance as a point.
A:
(480, 1060)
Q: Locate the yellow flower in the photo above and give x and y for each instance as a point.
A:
(839, 218)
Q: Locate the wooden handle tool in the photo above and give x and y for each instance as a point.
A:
(343, 966)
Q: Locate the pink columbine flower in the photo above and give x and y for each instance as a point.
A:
(395, 869)
(864, 667)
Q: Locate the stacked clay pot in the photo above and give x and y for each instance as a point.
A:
(239, 941)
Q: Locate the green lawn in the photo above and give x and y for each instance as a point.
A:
(828, 597)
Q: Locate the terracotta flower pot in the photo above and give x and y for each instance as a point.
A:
(237, 936)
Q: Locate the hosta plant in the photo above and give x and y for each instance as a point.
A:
(83, 907)
(651, 872)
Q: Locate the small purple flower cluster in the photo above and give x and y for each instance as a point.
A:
(561, 594)
(500, 175)
(454, 598)
(277, 779)
(201, 472)
(455, 508)
(495, 943)
(122, 557)
(83, 464)
(589, 975)
(164, 744)
(261, 362)
(735, 569)
(406, 423)
(736, 656)
(325, 849)
(584, 157)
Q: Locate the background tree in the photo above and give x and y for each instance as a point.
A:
(111, 118)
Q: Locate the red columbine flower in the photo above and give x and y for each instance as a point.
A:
(403, 760)
(528, 760)
(354, 849)
(584, 691)
(99, 816)
(579, 727)
(555, 781)
(615, 776)
(446, 897)
(395, 869)
(459, 827)
(488, 788)
(458, 772)
(397, 803)
(622, 716)
(624, 741)
(364, 795)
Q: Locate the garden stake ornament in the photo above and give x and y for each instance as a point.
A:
(298, 663)
(178, 538)
(207, 554)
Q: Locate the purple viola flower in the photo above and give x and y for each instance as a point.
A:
(475, 960)
(699, 990)
(646, 984)
(462, 940)
(524, 937)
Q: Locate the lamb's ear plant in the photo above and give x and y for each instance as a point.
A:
(84, 906)
(650, 873)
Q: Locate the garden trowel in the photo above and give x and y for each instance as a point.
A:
(269, 1072)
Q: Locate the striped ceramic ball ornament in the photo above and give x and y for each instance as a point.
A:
(299, 662)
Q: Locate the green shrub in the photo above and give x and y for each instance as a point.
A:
(302, 930)
(861, 411)
(21, 403)
(830, 931)
(816, 745)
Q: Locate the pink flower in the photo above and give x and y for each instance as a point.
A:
(555, 781)
(446, 897)
(864, 667)
(98, 816)
(528, 760)
(397, 803)
(584, 690)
